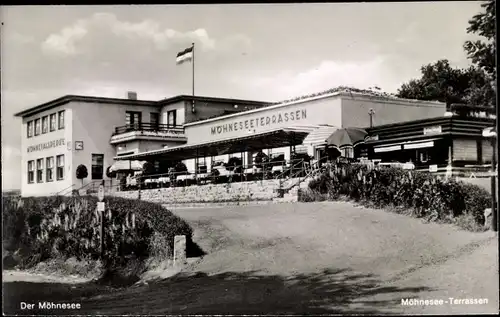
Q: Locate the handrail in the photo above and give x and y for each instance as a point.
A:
(65, 189)
(312, 171)
(88, 184)
(301, 161)
(146, 126)
(265, 165)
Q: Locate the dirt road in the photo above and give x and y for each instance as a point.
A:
(321, 258)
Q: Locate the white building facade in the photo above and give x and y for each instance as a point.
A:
(335, 110)
(62, 134)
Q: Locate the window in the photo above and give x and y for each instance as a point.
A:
(39, 170)
(172, 118)
(37, 126)
(154, 119)
(60, 167)
(61, 119)
(31, 172)
(30, 129)
(132, 118)
(52, 122)
(97, 166)
(45, 124)
(49, 169)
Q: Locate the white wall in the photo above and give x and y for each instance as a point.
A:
(94, 123)
(355, 110)
(46, 188)
(313, 112)
(180, 114)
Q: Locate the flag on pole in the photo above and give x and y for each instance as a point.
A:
(185, 55)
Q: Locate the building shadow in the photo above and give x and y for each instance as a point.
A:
(327, 292)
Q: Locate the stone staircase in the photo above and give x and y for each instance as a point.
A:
(290, 188)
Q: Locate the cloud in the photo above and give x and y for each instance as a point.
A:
(327, 74)
(71, 39)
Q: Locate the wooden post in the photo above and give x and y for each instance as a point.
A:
(139, 185)
(196, 162)
(242, 165)
(494, 209)
(100, 209)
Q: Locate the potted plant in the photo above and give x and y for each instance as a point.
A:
(81, 172)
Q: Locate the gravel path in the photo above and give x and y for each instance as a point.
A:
(321, 258)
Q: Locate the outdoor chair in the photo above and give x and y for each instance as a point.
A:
(164, 182)
(248, 174)
(203, 177)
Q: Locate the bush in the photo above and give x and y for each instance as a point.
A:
(110, 173)
(234, 164)
(427, 196)
(180, 168)
(65, 227)
(81, 172)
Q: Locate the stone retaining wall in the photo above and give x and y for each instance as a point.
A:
(210, 193)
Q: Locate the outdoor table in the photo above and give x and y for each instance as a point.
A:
(277, 169)
(163, 181)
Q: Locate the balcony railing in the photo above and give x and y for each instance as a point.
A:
(144, 126)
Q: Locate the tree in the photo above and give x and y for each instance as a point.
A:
(483, 53)
(81, 172)
(474, 85)
(439, 82)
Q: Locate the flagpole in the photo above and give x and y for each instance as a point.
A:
(193, 72)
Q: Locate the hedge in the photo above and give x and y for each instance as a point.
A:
(424, 194)
(53, 227)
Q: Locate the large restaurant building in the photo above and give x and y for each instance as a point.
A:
(97, 132)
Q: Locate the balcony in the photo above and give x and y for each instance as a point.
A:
(148, 131)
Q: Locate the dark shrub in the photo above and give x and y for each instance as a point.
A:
(180, 168)
(260, 159)
(46, 227)
(148, 169)
(426, 195)
(234, 164)
(81, 172)
(110, 173)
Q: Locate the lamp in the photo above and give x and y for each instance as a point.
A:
(371, 113)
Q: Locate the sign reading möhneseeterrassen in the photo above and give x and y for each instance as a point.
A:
(259, 121)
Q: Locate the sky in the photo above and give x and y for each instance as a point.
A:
(265, 52)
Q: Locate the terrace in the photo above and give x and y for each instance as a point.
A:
(148, 131)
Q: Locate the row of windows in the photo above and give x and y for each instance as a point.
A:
(45, 124)
(48, 168)
(47, 165)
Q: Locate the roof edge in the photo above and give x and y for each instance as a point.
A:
(70, 98)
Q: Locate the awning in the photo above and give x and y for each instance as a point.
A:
(253, 142)
(127, 166)
(318, 136)
(387, 148)
(418, 145)
(409, 145)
